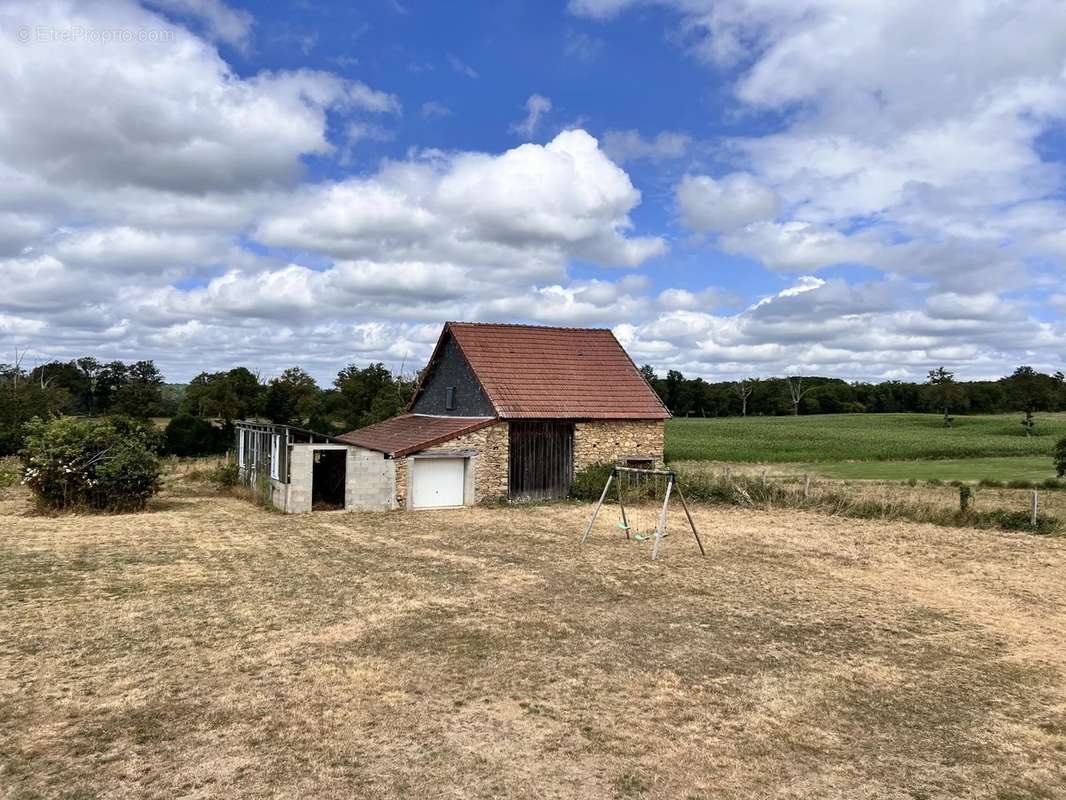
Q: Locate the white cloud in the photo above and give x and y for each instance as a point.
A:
(222, 23)
(185, 229)
(433, 108)
(709, 205)
(908, 136)
(525, 211)
(629, 145)
(461, 67)
(536, 107)
(170, 116)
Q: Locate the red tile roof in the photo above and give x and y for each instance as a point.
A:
(529, 371)
(409, 433)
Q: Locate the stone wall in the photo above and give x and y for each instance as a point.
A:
(490, 464)
(608, 441)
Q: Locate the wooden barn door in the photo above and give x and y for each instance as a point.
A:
(541, 460)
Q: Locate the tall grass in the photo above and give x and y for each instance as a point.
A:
(750, 492)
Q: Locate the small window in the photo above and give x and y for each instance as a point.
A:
(449, 399)
(640, 463)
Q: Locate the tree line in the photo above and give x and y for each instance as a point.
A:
(86, 386)
(360, 396)
(1024, 390)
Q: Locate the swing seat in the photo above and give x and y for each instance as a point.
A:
(641, 537)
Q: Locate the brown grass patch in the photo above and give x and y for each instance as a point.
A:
(211, 648)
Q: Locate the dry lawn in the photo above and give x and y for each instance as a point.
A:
(212, 649)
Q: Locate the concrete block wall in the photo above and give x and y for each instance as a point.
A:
(607, 441)
(369, 479)
(301, 466)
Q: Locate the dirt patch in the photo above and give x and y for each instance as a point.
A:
(210, 648)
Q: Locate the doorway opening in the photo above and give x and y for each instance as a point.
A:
(328, 477)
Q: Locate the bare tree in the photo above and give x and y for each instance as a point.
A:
(743, 390)
(796, 391)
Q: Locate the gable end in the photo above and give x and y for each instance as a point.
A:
(450, 387)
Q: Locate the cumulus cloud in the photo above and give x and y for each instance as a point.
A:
(221, 23)
(187, 229)
(921, 123)
(169, 116)
(161, 239)
(525, 211)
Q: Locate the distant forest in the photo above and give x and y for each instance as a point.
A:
(1023, 390)
(86, 386)
(360, 396)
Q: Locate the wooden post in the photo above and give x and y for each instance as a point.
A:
(692, 524)
(660, 529)
(764, 475)
(596, 511)
(728, 472)
(806, 486)
(1032, 513)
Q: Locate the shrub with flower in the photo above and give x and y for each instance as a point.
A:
(107, 465)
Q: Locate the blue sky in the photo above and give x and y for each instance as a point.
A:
(736, 187)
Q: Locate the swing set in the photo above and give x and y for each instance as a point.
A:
(626, 475)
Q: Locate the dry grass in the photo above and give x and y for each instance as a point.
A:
(896, 494)
(213, 649)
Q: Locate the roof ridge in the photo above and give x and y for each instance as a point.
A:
(450, 323)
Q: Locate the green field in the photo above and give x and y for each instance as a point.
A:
(875, 446)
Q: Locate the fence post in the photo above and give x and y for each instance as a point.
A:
(728, 472)
(806, 486)
(1032, 513)
(764, 475)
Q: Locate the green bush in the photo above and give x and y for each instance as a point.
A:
(1060, 457)
(188, 436)
(588, 483)
(106, 465)
(227, 474)
(10, 474)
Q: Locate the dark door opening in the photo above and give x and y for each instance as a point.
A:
(541, 460)
(327, 480)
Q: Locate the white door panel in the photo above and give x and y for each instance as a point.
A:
(437, 482)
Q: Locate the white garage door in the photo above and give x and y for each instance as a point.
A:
(438, 482)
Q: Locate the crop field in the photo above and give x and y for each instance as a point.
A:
(209, 648)
(875, 446)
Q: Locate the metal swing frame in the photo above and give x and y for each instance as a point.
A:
(660, 527)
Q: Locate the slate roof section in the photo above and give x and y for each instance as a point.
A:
(409, 433)
(535, 372)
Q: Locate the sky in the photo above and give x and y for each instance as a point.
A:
(736, 187)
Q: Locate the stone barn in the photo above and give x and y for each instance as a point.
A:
(512, 412)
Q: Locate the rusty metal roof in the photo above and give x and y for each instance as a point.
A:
(530, 371)
(409, 433)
